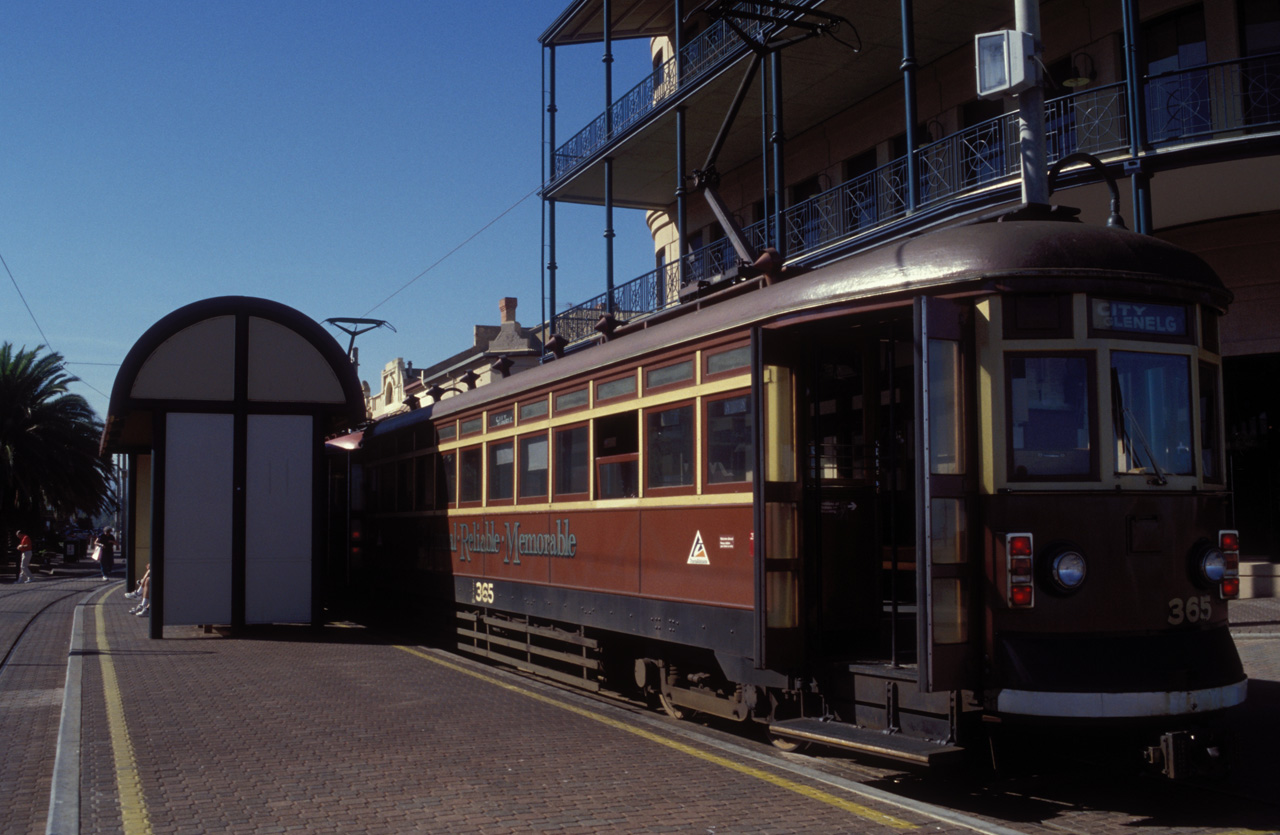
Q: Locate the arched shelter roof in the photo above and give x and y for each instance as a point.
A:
(230, 354)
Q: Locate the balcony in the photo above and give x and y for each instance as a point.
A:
(1224, 102)
(715, 47)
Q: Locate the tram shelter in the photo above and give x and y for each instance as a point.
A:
(222, 408)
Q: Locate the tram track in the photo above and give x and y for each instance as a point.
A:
(13, 638)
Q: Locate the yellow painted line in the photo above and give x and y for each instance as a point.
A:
(759, 774)
(133, 806)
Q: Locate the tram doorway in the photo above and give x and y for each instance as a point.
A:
(855, 495)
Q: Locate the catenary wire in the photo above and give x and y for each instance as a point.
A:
(442, 258)
(24, 302)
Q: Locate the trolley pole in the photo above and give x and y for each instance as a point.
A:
(1035, 187)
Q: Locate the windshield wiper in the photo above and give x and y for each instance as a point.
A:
(1125, 415)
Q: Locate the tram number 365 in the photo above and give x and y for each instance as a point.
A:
(483, 593)
(1191, 610)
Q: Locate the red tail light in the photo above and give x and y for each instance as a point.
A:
(1019, 549)
(1229, 542)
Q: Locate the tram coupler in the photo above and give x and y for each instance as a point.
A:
(1183, 754)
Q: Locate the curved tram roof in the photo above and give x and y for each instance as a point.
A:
(1006, 255)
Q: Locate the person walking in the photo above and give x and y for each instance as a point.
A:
(24, 555)
(106, 560)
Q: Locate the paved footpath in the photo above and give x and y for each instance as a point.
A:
(290, 729)
(335, 730)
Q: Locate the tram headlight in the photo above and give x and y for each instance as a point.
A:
(1067, 570)
(1213, 565)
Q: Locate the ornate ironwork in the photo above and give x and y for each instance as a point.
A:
(1187, 106)
(1207, 101)
(712, 47)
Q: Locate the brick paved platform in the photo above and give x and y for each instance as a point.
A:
(339, 729)
(336, 730)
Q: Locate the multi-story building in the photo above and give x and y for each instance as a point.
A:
(870, 128)
(495, 352)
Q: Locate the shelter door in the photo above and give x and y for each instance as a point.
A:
(946, 570)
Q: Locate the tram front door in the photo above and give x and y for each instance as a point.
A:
(850, 495)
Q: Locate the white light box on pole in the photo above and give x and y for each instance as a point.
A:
(1004, 62)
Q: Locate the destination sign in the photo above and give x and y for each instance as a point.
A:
(1139, 317)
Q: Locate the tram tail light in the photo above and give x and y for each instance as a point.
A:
(1018, 549)
(1229, 542)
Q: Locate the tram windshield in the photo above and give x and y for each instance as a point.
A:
(1151, 404)
(1049, 400)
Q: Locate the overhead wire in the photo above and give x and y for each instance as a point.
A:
(442, 258)
(24, 302)
(47, 342)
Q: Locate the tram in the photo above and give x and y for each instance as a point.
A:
(973, 477)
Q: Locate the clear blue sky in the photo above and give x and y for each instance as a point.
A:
(319, 154)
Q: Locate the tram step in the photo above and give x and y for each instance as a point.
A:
(893, 745)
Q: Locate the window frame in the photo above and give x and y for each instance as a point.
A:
(1090, 357)
(615, 398)
(726, 486)
(555, 400)
(464, 432)
(556, 495)
(448, 470)
(478, 449)
(689, 489)
(490, 449)
(491, 414)
(1066, 317)
(522, 404)
(663, 387)
(545, 496)
(708, 353)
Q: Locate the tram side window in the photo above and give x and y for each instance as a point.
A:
(424, 483)
(669, 439)
(730, 455)
(448, 466)
(470, 466)
(404, 482)
(1050, 400)
(617, 448)
(502, 471)
(533, 467)
(572, 460)
(1151, 400)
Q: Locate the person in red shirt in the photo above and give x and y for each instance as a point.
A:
(24, 552)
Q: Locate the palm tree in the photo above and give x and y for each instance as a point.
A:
(49, 460)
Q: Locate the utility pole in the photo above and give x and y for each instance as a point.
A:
(1035, 184)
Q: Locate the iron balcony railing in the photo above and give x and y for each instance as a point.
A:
(1216, 99)
(1219, 101)
(710, 49)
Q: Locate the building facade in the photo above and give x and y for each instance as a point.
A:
(495, 352)
(822, 129)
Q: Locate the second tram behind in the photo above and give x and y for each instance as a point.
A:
(971, 477)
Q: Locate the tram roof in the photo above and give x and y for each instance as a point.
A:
(986, 256)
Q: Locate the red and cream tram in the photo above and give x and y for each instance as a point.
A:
(973, 474)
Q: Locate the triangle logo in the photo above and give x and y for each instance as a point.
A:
(698, 553)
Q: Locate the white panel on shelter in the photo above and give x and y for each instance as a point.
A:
(197, 518)
(196, 363)
(278, 520)
(286, 368)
